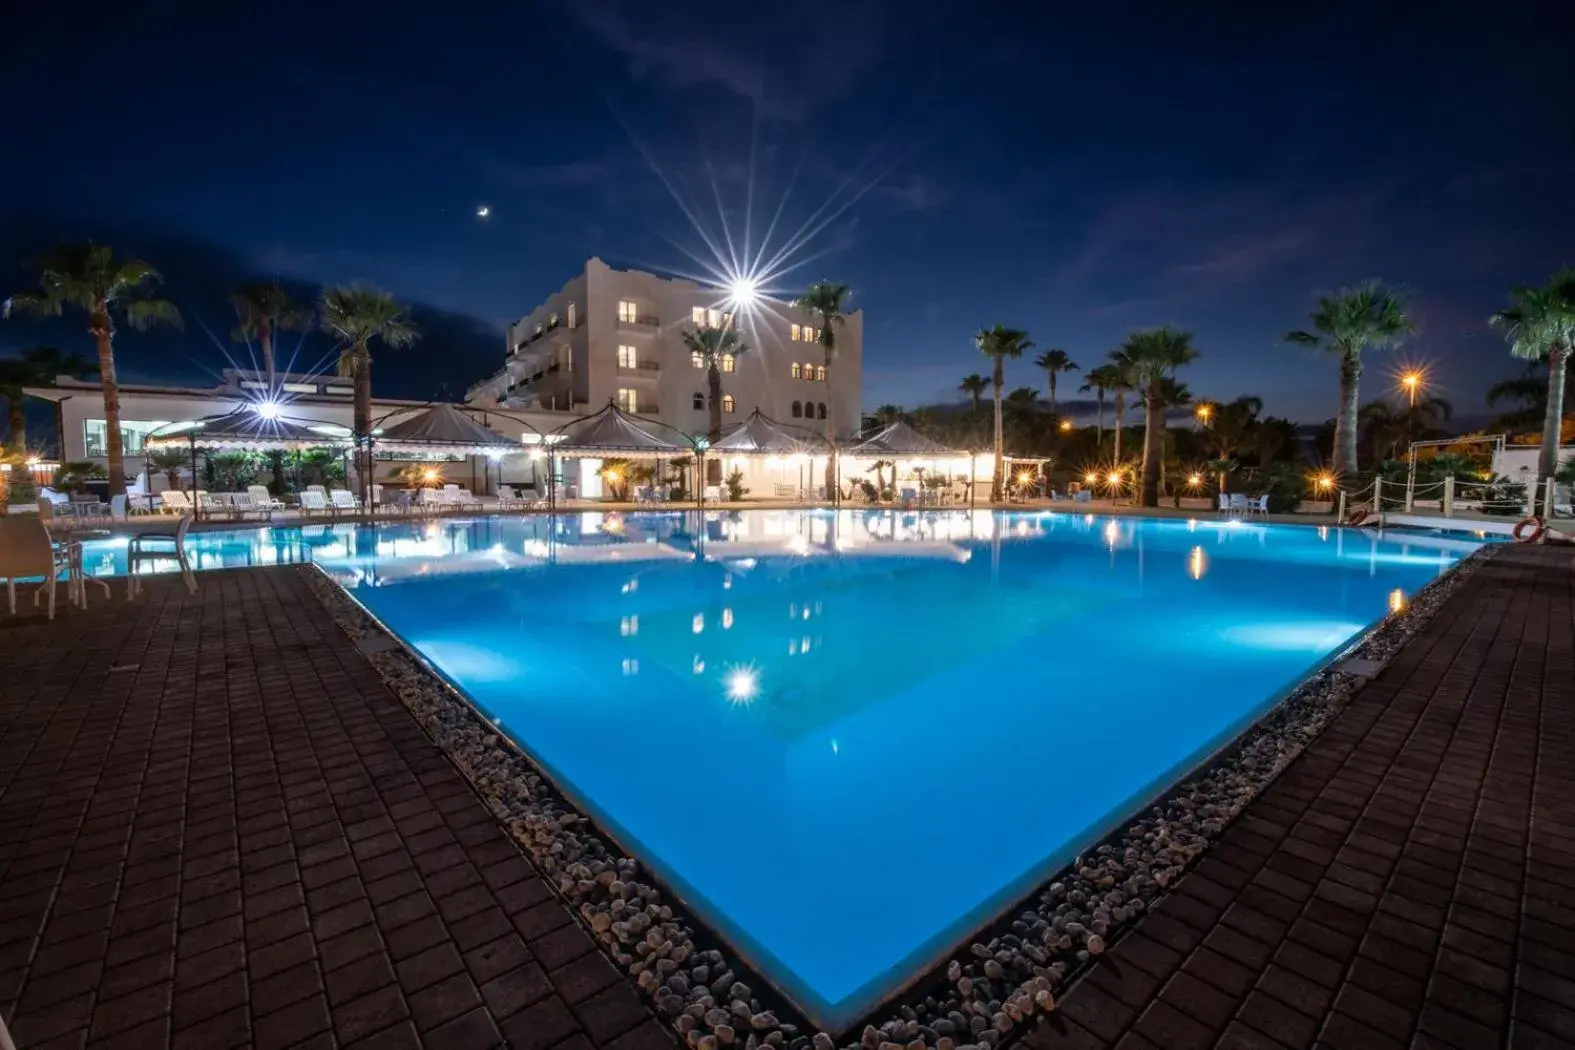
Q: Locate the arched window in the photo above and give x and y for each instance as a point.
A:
(727, 362)
(798, 409)
(727, 403)
(820, 373)
(820, 410)
(795, 370)
(699, 401)
(809, 370)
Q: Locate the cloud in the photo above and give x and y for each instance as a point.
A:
(788, 65)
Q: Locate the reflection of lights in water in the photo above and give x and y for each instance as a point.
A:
(806, 612)
(538, 549)
(835, 750)
(1088, 519)
(1197, 563)
(1022, 528)
(629, 625)
(1323, 533)
(628, 588)
(1192, 524)
(699, 623)
(803, 645)
(743, 685)
(1313, 636)
(727, 582)
(792, 646)
(1397, 601)
(698, 665)
(727, 619)
(1112, 533)
(631, 667)
(798, 544)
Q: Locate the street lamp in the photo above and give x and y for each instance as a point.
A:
(1411, 382)
(1066, 426)
(1204, 412)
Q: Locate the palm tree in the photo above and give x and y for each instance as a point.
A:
(1099, 380)
(1541, 323)
(88, 277)
(39, 366)
(998, 344)
(712, 344)
(886, 415)
(825, 301)
(356, 315)
(1172, 394)
(1153, 355)
(1231, 427)
(1344, 325)
(1425, 416)
(1383, 426)
(974, 386)
(261, 309)
(1121, 384)
(1054, 362)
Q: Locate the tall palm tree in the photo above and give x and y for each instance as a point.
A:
(1541, 323)
(262, 309)
(1172, 394)
(1425, 416)
(1099, 379)
(1345, 324)
(974, 386)
(1383, 426)
(39, 366)
(356, 315)
(998, 344)
(1153, 355)
(712, 344)
(88, 277)
(825, 302)
(1054, 362)
(1122, 383)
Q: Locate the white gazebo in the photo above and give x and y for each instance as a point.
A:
(445, 430)
(777, 459)
(243, 430)
(611, 433)
(913, 457)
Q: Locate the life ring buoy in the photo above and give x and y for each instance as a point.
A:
(1356, 517)
(1522, 534)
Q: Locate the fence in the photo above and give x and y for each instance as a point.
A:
(1453, 497)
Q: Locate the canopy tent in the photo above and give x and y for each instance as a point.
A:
(761, 435)
(899, 439)
(898, 443)
(614, 432)
(244, 430)
(442, 429)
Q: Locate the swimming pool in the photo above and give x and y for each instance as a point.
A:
(848, 740)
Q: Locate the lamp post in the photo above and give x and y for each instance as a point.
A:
(1411, 382)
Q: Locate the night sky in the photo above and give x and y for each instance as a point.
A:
(1074, 174)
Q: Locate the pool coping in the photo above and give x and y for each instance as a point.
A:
(1015, 962)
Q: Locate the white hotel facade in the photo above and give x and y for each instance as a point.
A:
(606, 335)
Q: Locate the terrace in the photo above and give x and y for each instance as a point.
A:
(317, 842)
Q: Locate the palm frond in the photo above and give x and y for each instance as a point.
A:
(357, 314)
(39, 304)
(1002, 342)
(143, 314)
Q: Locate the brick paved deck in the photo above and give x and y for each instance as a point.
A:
(1409, 882)
(219, 828)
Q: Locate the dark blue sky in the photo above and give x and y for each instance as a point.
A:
(1075, 174)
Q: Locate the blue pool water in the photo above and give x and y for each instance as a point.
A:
(849, 740)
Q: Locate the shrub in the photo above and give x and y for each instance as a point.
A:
(735, 486)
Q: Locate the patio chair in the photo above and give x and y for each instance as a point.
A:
(117, 507)
(243, 507)
(27, 553)
(314, 503)
(148, 547)
(1259, 506)
(463, 498)
(1224, 503)
(215, 506)
(1083, 496)
(344, 501)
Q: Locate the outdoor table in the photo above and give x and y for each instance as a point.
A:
(77, 578)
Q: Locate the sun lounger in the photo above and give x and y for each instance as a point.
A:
(314, 503)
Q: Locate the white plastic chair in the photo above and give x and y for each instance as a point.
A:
(26, 552)
(1260, 505)
(175, 501)
(262, 499)
(159, 546)
(314, 503)
(344, 501)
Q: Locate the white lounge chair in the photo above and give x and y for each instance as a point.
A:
(159, 546)
(262, 499)
(175, 501)
(27, 552)
(314, 503)
(344, 501)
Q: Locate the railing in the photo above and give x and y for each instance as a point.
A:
(638, 367)
(1454, 497)
(639, 321)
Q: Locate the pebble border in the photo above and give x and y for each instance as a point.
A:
(983, 994)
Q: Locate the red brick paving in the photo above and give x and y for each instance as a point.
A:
(1410, 881)
(219, 828)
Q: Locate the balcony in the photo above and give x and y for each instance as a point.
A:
(641, 369)
(645, 321)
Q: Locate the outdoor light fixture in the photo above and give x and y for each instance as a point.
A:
(1195, 479)
(1204, 412)
(743, 292)
(1115, 477)
(1411, 382)
(1024, 477)
(1066, 425)
(743, 685)
(1090, 479)
(267, 409)
(430, 475)
(1397, 601)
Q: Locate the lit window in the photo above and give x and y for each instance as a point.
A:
(809, 370)
(699, 402)
(95, 436)
(713, 318)
(820, 410)
(727, 403)
(798, 409)
(571, 315)
(795, 370)
(626, 357)
(727, 362)
(626, 312)
(627, 400)
(793, 330)
(697, 317)
(697, 359)
(820, 373)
